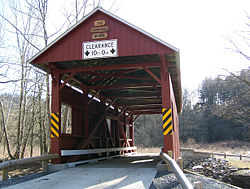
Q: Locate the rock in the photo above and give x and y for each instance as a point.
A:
(246, 168)
(220, 170)
(197, 167)
(240, 180)
(208, 172)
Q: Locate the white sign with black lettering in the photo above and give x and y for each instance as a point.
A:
(99, 49)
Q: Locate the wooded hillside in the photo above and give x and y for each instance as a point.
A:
(221, 113)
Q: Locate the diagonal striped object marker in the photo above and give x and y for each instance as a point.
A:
(167, 121)
(54, 125)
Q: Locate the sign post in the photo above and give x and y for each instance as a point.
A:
(99, 49)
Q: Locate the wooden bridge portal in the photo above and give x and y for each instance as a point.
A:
(109, 72)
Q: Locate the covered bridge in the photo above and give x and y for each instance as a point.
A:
(109, 72)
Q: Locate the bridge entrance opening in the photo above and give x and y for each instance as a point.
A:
(107, 72)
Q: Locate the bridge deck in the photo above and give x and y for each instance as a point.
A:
(133, 171)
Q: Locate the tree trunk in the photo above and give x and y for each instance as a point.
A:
(16, 155)
(31, 141)
(40, 120)
(5, 132)
(25, 141)
(47, 125)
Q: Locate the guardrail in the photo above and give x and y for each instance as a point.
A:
(177, 171)
(13, 163)
(231, 155)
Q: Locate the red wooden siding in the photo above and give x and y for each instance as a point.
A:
(130, 41)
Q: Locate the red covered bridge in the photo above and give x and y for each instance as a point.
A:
(109, 72)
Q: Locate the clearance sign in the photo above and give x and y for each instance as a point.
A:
(99, 49)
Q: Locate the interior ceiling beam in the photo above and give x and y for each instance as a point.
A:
(67, 80)
(131, 108)
(146, 112)
(111, 67)
(104, 75)
(135, 96)
(143, 105)
(143, 90)
(93, 96)
(144, 109)
(152, 74)
(130, 71)
(130, 85)
(149, 99)
(138, 104)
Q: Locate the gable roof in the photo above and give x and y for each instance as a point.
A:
(135, 46)
(110, 14)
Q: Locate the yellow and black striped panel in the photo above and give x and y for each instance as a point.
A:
(54, 125)
(167, 121)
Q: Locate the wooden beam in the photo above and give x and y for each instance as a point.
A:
(124, 136)
(136, 96)
(135, 118)
(107, 75)
(146, 109)
(84, 142)
(158, 90)
(130, 85)
(123, 109)
(67, 80)
(51, 71)
(152, 74)
(142, 105)
(110, 104)
(129, 103)
(132, 108)
(110, 67)
(146, 112)
(93, 96)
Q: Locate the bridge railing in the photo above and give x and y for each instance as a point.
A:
(185, 184)
(12, 164)
(95, 151)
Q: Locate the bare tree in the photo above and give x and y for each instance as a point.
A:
(241, 43)
(3, 123)
(22, 25)
(79, 9)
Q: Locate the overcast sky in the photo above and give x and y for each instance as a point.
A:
(199, 28)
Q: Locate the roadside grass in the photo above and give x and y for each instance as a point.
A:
(239, 164)
(4, 153)
(142, 150)
(228, 147)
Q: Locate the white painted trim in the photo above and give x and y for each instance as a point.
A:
(94, 151)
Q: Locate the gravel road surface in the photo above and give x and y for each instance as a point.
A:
(167, 180)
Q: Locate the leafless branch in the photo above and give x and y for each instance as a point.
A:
(20, 32)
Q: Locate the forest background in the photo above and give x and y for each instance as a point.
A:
(217, 111)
